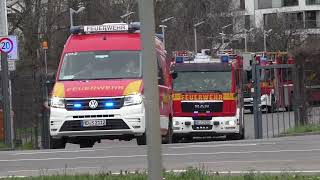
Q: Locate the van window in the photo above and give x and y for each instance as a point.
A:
(96, 65)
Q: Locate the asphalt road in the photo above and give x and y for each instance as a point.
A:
(268, 155)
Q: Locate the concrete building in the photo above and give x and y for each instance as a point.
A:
(258, 13)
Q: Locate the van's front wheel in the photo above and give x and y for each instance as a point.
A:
(57, 143)
(141, 140)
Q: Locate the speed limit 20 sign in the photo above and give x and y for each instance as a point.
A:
(9, 45)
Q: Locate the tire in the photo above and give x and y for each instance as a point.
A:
(141, 140)
(270, 109)
(57, 143)
(236, 136)
(175, 139)
(289, 108)
(169, 136)
(251, 110)
(86, 144)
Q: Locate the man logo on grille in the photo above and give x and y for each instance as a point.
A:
(93, 104)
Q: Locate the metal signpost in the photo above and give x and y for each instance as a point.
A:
(151, 91)
(8, 51)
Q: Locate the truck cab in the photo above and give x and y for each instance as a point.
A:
(205, 99)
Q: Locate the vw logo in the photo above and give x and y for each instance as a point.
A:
(93, 104)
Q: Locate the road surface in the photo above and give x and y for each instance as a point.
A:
(268, 155)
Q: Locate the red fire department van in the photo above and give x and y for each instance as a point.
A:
(207, 99)
(98, 93)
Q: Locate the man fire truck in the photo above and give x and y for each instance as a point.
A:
(207, 98)
(98, 93)
(276, 84)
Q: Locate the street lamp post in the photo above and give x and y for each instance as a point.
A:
(265, 34)
(163, 29)
(246, 39)
(126, 16)
(195, 35)
(222, 33)
(72, 11)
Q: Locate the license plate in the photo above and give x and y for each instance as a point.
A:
(202, 122)
(94, 123)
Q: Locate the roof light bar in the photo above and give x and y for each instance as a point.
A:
(107, 27)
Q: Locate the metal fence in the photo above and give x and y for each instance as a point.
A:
(29, 111)
(275, 100)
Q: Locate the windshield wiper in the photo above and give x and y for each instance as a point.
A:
(210, 91)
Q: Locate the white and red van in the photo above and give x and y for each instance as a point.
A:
(98, 91)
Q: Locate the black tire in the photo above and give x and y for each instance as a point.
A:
(86, 144)
(189, 138)
(141, 140)
(270, 109)
(175, 139)
(169, 136)
(289, 108)
(236, 136)
(57, 143)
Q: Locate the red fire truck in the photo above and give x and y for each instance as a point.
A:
(207, 99)
(276, 84)
(98, 93)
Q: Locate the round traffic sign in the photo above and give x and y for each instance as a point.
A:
(6, 45)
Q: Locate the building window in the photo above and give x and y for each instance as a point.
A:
(311, 19)
(242, 5)
(264, 4)
(290, 2)
(247, 23)
(312, 2)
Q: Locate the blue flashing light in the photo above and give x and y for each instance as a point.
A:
(179, 59)
(109, 104)
(225, 58)
(77, 105)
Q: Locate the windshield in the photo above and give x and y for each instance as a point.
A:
(101, 65)
(202, 82)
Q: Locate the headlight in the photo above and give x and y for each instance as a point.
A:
(132, 100)
(57, 102)
(232, 123)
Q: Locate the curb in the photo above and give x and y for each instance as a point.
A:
(299, 134)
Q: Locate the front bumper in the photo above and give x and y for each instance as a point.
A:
(128, 120)
(217, 126)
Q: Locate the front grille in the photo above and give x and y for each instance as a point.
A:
(202, 127)
(93, 116)
(202, 107)
(202, 118)
(83, 104)
(112, 124)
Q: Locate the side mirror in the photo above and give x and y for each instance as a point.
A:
(174, 75)
(51, 79)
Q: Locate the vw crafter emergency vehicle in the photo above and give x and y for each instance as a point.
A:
(98, 93)
(207, 98)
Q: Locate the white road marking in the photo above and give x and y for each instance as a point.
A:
(54, 169)
(52, 152)
(219, 145)
(139, 156)
(246, 152)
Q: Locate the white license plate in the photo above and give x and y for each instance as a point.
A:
(94, 123)
(202, 122)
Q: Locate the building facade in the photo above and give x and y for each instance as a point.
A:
(258, 13)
